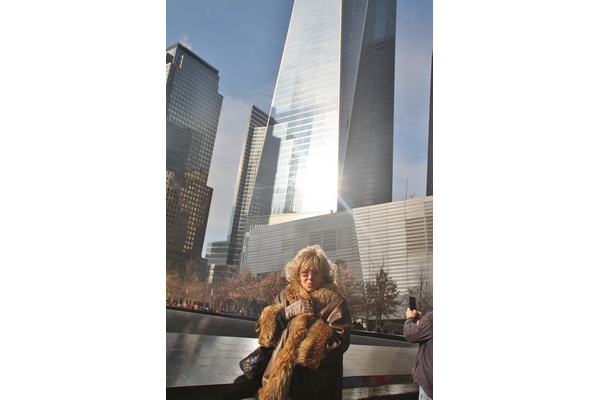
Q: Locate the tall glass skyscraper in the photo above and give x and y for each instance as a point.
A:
(193, 110)
(430, 138)
(251, 152)
(331, 141)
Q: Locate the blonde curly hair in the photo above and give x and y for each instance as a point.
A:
(310, 254)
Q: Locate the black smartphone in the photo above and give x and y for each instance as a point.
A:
(412, 303)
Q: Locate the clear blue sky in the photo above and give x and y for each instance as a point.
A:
(244, 40)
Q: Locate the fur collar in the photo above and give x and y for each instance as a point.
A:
(318, 298)
(303, 345)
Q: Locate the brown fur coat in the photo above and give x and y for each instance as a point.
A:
(307, 356)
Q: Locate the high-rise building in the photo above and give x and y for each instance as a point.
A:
(192, 116)
(251, 152)
(368, 162)
(218, 269)
(329, 143)
(216, 252)
(429, 191)
(332, 133)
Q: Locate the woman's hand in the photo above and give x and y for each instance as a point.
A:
(296, 308)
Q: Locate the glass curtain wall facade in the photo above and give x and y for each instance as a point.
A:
(193, 107)
(251, 152)
(429, 191)
(216, 257)
(321, 97)
(366, 177)
(216, 252)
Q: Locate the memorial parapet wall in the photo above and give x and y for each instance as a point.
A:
(206, 365)
(202, 322)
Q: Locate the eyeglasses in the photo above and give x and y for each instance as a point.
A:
(305, 274)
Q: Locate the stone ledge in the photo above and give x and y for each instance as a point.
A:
(408, 391)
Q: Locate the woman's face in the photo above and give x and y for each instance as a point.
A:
(310, 277)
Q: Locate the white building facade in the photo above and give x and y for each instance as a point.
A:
(397, 235)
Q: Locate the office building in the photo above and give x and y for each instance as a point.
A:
(218, 269)
(193, 107)
(332, 135)
(216, 252)
(429, 190)
(396, 235)
(251, 152)
(329, 144)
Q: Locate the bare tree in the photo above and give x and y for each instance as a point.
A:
(422, 291)
(244, 288)
(381, 295)
(184, 284)
(271, 285)
(173, 283)
(349, 286)
(203, 295)
(220, 294)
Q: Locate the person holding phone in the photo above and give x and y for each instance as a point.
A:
(418, 328)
